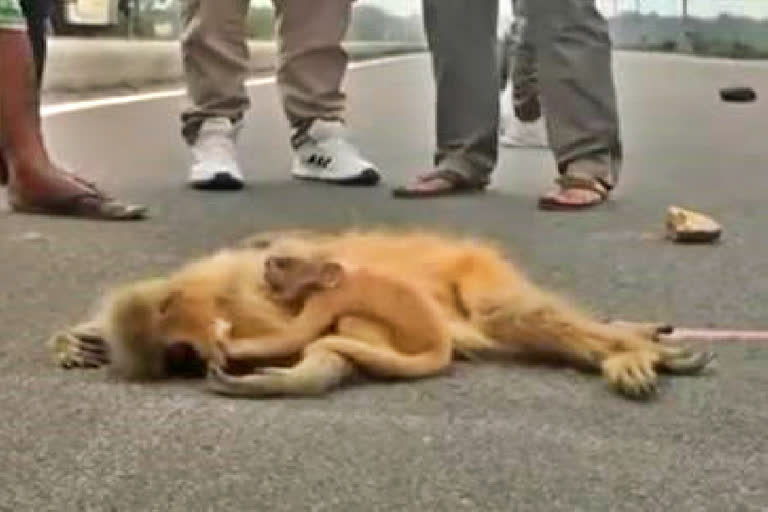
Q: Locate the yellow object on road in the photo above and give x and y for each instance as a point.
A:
(691, 227)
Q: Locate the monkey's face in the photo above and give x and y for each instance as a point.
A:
(288, 278)
(291, 279)
(187, 328)
(182, 360)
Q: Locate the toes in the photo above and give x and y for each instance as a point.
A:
(61, 345)
(638, 390)
(219, 355)
(688, 362)
(72, 351)
(638, 384)
(90, 329)
(643, 372)
(95, 353)
(216, 379)
(216, 373)
(631, 374)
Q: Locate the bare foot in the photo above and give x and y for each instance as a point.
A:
(573, 197)
(437, 183)
(575, 193)
(52, 191)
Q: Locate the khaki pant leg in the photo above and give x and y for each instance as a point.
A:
(216, 61)
(312, 62)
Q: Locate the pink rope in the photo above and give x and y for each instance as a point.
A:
(717, 335)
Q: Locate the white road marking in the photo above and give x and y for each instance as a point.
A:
(63, 108)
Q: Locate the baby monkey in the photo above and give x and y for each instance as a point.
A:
(332, 300)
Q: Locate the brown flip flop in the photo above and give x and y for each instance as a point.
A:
(90, 203)
(571, 182)
(438, 184)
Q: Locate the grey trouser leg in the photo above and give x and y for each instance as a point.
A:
(462, 38)
(573, 50)
(525, 79)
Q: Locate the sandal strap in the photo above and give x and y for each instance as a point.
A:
(83, 205)
(571, 181)
(455, 178)
(453, 183)
(94, 190)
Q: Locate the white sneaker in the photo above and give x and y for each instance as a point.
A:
(515, 133)
(323, 154)
(214, 165)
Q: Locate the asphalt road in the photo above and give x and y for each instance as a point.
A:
(484, 438)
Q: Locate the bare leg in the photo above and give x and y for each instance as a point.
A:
(36, 185)
(36, 14)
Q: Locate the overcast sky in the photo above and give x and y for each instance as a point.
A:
(756, 8)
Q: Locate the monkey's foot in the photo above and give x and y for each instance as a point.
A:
(76, 349)
(632, 373)
(684, 361)
(219, 356)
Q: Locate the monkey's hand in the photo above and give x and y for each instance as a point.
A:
(222, 330)
(79, 348)
(219, 355)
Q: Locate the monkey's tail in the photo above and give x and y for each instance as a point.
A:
(386, 362)
(132, 318)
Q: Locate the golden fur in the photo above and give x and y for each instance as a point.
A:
(486, 305)
(417, 341)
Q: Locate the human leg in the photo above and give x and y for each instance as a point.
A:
(36, 184)
(215, 61)
(576, 82)
(311, 67)
(36, 16)
(466, 78)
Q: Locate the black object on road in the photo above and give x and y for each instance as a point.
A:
(738, 94)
